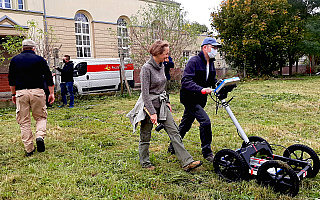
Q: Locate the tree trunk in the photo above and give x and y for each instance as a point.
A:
(312, 61)
(291, 62)
(282, 63)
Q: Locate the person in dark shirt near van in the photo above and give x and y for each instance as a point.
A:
(66, 83)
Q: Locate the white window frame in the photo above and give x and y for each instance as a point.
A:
(83, 45)
(4, 2)
(123, 36)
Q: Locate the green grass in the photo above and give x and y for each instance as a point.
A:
(91, 152)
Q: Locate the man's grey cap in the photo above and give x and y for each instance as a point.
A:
(28, 42)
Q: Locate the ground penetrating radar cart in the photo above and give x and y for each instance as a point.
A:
(255, 158)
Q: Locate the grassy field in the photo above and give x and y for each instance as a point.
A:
(91, 152)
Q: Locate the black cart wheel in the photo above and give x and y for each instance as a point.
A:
(303, 153)
(280, 176)
(254, 139)
(230, 166)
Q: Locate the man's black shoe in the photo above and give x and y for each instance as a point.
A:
(30, 153)
(210, 158)
(40, 145)
(171, 149)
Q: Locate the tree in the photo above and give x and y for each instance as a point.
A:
(164, 21)
(256, 34)
(294, 36)
(199, 28)
(306, 10)
(311, 42)
(13, 43)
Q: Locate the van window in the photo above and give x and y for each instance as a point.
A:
(80, 69)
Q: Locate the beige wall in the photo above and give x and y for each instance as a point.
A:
(105, 40)
(100, 10)
(35, 5)
(64, 33)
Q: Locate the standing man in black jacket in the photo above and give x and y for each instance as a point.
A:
(66, 83)
(27, 73)
(198, 78)
(168, 63)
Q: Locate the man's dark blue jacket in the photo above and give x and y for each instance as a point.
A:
(29, 71)
(194, 80)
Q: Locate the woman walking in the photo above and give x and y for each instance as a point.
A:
(153, 99)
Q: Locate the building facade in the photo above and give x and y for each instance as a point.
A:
(82, 28)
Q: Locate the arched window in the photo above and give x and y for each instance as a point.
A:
(82, 30)
(123, 37)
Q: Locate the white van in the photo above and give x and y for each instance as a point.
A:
(99, 74)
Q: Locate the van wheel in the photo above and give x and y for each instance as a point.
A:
(131, 83)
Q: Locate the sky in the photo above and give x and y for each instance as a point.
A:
(199, 10)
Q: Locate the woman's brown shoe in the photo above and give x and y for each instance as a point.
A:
(150, 167)
(192, 165)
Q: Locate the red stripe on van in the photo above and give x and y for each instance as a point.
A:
(107, 67)
(128, 66)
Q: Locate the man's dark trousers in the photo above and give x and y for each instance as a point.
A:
(65, 88)
(191, 113)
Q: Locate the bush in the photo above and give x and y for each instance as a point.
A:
(173, 85)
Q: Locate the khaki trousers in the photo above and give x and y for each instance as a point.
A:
(33, 99)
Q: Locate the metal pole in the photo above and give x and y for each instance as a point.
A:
(236, 123)
(123, 73)
(46, 30)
